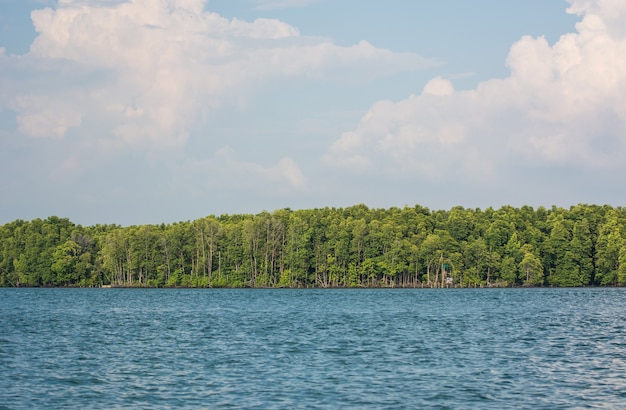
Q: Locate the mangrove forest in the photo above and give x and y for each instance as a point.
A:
(355, 246)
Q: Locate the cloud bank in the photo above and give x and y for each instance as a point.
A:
(562, 104)
(283, 4)
(145, 70)
(114, 76)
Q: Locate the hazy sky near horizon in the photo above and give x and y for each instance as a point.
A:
(150, 111)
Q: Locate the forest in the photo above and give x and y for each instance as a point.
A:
(355, 246)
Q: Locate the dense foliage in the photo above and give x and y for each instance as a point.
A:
(329, 247)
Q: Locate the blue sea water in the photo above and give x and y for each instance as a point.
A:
(264, 349)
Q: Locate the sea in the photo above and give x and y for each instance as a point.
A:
(313, 348)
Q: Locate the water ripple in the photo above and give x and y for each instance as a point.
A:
(274, 349)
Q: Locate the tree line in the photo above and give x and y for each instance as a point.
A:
(356, 246)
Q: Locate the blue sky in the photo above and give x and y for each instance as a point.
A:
(145, 111)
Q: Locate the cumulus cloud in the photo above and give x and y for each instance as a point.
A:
(140, 73)
(561, 104)
(225, 169)
(43, 116)
(283, 4)
(286, 175)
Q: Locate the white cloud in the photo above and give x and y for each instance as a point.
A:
(283, 4)
(226, 170)
(286, 175)
(140, 73)
(43, 116)
(563, 103)
(438, 86)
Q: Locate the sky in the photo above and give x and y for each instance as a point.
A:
(157, 111)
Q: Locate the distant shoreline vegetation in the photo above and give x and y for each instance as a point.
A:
(356, 246)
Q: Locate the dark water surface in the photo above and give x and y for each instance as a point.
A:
(457, 349)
